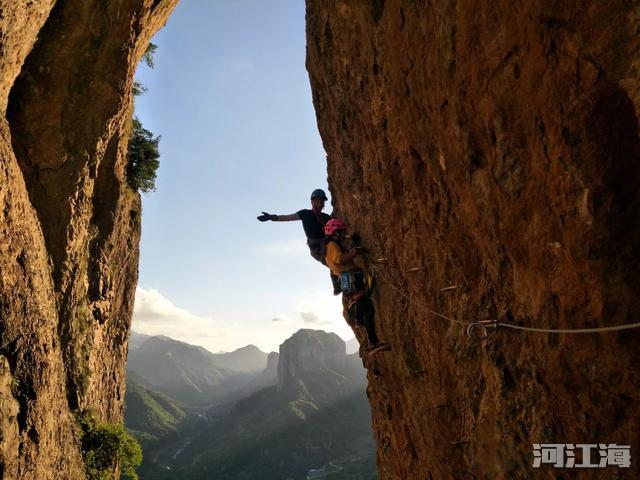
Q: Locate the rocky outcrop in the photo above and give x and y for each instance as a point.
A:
(20, 23)
(70, 224)
(492, 145)
(272, 362)
(309, 351)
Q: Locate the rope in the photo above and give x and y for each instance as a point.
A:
(418, 304)
(495, 323)
(613, 328)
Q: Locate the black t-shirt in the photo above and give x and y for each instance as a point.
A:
(313, 226)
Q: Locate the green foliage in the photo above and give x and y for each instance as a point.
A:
(150, 415)
(149, 53)
(138, 89)
(143, 146)
(143, 162)
(262, 438)
(106, 445)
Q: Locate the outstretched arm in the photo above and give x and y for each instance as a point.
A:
(287, 218)
(278, 218)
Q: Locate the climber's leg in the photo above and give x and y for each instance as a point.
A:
(348, 311)
(365, 313)
(335, 281)
(368, 311)
(318, 251)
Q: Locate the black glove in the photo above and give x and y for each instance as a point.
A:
(266, 216)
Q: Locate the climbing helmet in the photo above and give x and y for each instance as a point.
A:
(333, 225)
(318, 193)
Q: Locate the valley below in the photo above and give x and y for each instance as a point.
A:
(301, 413)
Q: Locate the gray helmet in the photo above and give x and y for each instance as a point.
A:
(319, 193)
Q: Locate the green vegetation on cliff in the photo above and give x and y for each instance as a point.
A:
(143, 153)
(105, 446)
(150, 415)
(143, 160)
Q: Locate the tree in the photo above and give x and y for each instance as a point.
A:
(143, 162)
(149, 53)
(143, 152)
(105, 445)
(138, 88)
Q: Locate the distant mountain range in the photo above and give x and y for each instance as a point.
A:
(249, 415)
(137, 339)
(316, 413)
(263, 379)
(191, 374)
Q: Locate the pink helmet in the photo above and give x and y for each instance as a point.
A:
(333, 225)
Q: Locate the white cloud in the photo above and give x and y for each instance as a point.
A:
(155, 314)
(309, 317)
(151, 305)
(324, 310)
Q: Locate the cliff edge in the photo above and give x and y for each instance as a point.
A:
(491, 147)
(70, 224)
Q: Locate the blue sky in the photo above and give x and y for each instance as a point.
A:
(230, 97)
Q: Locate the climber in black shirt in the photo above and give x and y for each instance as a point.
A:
(313, 222)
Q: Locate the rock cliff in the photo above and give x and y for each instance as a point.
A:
(272, 363)
(492, 146)
(309, 351)
(70, 224)
(488, 145)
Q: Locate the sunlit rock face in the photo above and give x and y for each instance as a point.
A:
(70, 224)
(492, 145)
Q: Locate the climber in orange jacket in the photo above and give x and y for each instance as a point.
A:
(339, 259)
(313, 222)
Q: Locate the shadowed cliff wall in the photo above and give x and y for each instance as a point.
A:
(70, 224)
(494, 145)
